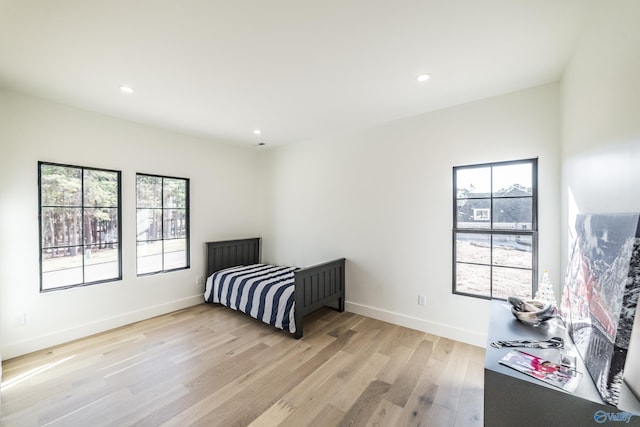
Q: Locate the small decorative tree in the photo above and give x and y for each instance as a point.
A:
(545, 290)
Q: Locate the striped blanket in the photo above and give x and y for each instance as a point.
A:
(265, 292)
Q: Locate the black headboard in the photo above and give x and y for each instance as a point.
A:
(231, 253)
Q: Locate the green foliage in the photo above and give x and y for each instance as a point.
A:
(78, 207)
(162, 207)
(149, 191)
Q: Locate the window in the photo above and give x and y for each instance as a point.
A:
(495, 228)
(79, 226)
(162, 223)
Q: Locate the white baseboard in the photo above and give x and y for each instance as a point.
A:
(44, 341)
(435, 328)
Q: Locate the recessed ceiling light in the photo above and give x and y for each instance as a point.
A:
(422, 77)
(257, 131)
(126, 89)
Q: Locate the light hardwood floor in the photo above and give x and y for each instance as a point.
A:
(209, 366)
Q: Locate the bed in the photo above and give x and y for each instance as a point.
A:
(234, 280)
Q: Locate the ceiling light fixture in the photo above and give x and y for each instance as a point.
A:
(423, 77)
(126, 89)
(257, 131)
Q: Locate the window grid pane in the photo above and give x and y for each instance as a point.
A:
(474, 213)
(149, 191)
(174, 223)
(473, 279)
(495, 203)
(60, 185)
(512, 250)
(513, 213)
(473, 248)
(149, 258)
(79, 218)
(511, 282)
(175, 254)
(149, 223)
(162, 224)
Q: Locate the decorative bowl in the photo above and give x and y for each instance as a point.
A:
(531, 312)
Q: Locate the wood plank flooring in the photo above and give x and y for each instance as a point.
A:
(209, 366)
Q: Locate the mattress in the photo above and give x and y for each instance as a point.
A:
(264, 292)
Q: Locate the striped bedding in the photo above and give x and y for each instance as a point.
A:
(264, 292)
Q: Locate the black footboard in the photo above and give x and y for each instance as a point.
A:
(318, 286)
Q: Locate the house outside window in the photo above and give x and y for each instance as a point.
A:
(79, 216)
(162, 226)
(495, 230)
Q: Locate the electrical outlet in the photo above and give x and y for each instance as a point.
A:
(199, 280)
(422, 299)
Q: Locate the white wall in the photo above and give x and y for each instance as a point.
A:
(223, 192)
(382, 198)
(601, 129)
(601, 116)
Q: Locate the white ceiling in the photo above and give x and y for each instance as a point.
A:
(297, 69)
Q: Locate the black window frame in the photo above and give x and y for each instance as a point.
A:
(82, 207)
(187, 237)
(492, 231)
